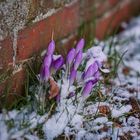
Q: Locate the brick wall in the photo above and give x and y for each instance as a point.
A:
(26, 28)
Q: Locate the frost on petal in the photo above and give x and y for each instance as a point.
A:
(89, 63)
(97, 54)
(92, 69)
(70, 56)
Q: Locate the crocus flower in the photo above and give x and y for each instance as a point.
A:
(92, 69)
(58, 63)
(87, 88)
(97, 54)
(97, 75)
(70, 56)
(72, 77)
(44, 73)
(80, 45)
(78, 60)
(51, 48)
(47, 60)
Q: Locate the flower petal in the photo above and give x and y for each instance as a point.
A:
(78, 60)
(51, 48)
(70, 56)
(80, 45)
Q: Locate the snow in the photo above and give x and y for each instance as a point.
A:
(119, 112)
(101, 120)
(43, 16)
(3, 131)
(83, 118)
(55, 126)
(80, 134)
(77, 121)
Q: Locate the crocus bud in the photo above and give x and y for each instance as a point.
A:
(58, 63)
(87, 89)
(78, 60)
(73, 74)
(80, 45)
(92, 69)
(58, 98)
(47, 60)
(71, 94)
(44, 73)
(70, 56)
(51, 48)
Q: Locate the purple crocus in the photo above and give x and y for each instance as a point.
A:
(92, 69)
(44, 73)
(70, 56)
(58, 63)
(78, 60)
(97, 75)
(73, 74)
(45, 69)
(80, 45)
(51, 48)
(87, 88)
(47, 60)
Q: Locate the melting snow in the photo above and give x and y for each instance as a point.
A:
(85, 120)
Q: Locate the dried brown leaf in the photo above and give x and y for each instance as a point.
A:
(54, 89)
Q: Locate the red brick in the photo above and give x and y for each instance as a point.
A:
(16, 86)
(6, 53)
(34, 38)
(114, 2)
(91, 9)
(15, 81)
(64, 47)
(108, 24)
(102, 8)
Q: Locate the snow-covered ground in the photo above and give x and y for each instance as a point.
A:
(112, 113)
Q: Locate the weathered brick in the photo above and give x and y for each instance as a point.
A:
(13, 87)
(64, 23)
(91, 9)
(36, 37)
(15, 82)
(65, 45)
(107, 24)
(113, 2)
(6, 53)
